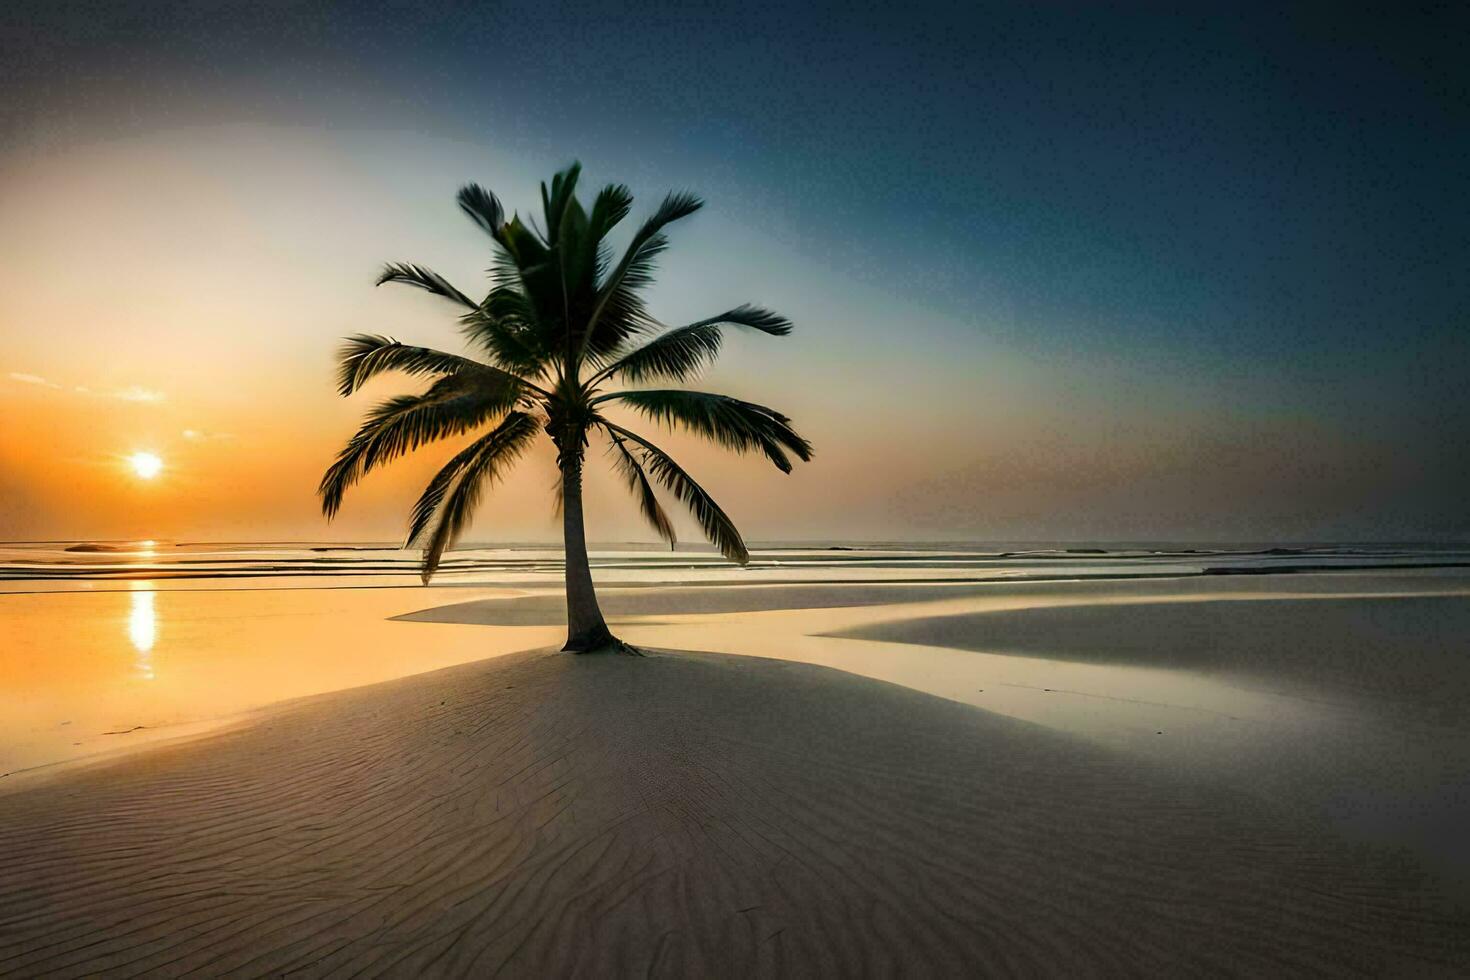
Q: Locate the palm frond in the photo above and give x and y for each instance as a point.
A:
(755, 317)
(618, 311)
(424, 278)
(504, 326)
(365, 356)
(673, 356)
(610, 207)
(524, 246)
(455, 490)
(483, 208)
(451, 406)
(648, 241)
(735, 424)
(428, 503)
(576, 258)
(637, 480)
(524, 264)
(684, 351)
(717, 526)
(556, 202)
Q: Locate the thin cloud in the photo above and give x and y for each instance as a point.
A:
(199, 435)
(32, 379)
(132, 393)
(137, 394)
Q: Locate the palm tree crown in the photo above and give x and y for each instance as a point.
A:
(561, 322)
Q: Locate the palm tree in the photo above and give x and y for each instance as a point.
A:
(560, 322)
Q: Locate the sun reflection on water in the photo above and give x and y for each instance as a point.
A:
(143, 632)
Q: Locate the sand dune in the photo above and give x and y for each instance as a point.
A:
(680, 814)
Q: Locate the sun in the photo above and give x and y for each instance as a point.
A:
(145, 465)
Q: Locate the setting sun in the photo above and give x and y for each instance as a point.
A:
(145, 466)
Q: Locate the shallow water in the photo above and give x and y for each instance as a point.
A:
(90, 671)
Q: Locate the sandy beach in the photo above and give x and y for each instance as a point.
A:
(682, 814)
(1226, 775)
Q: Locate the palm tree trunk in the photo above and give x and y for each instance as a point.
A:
(586, 629)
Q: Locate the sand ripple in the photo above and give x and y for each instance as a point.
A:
(678, 815)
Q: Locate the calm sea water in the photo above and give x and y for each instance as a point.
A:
(51, 566)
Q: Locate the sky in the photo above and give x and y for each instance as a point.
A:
(1062, 273)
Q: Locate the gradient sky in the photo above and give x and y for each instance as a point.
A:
(1060, 273)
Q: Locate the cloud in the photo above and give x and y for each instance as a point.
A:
(32, 379)
(132, 393)
(199, 435)
(137, 394)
